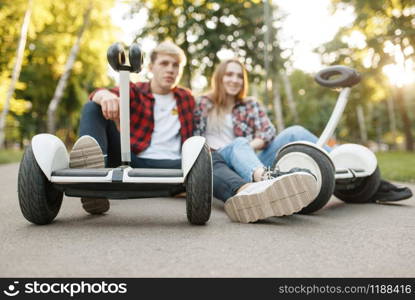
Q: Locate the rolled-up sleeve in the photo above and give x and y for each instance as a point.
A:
(264, 129)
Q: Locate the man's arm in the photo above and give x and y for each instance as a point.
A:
(110, 104)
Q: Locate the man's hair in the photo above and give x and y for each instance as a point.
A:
(170, 48)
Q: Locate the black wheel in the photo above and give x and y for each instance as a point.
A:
(359, 191)
(39, 200)
(199, 189)
(327, 175)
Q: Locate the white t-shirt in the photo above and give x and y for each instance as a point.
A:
(220, 136)
(165, 140)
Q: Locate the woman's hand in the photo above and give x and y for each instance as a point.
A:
(257, 144)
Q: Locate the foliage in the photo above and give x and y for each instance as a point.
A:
(381, 34)
(203, 28)
(10, 156)
(51, 35)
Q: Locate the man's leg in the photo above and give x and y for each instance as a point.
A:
(103, 149)
(103, 131)
(288, 135)
(226, 182)
(240, 156)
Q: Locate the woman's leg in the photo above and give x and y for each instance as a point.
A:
(288, 135)
(240, 156)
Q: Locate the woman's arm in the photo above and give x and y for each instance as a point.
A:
(263, 128)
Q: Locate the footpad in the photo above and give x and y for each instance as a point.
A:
(81, 172)
(155, 173)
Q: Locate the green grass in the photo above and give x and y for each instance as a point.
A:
(399, 166)
(10, 156)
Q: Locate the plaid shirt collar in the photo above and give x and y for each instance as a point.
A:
(145, 89)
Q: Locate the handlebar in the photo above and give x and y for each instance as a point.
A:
(348, 77)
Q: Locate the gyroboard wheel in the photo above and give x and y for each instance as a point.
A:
(324, 171)
(199, 189)
(360, 191)
(39, 200)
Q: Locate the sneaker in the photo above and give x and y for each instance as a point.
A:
(86, 153)
(388, 192)
(276, 172)
(276, 197)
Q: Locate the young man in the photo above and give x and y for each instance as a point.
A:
(161, 120)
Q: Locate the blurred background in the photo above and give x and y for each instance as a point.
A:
(53, 54)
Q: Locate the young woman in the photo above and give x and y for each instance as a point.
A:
(236, 126)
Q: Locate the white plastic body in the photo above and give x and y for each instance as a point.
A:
(50, 153)
(335, 117)
(125, 116)
(302, 160)
(348, 157)
(190, 151)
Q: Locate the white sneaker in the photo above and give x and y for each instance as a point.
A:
(86, 153)
(281, 196)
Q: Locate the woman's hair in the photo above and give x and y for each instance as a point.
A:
(217, 94)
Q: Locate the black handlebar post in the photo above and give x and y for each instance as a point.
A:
(348, 77)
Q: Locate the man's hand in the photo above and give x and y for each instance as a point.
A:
(110, 104)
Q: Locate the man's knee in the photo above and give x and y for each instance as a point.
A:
(91, 108)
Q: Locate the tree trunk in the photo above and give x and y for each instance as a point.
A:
(16, 70)
(63, 81)
(290, 98)
(362, 124)
(409, 142)
(277, 106)
(267, 46)
(392, 118)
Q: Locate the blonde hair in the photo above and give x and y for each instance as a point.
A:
(170, 48)
(218, 95)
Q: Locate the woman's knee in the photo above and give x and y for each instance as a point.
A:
(240, 141)
(296, 132)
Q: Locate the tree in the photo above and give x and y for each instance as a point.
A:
(16, 70)
(203, 28)
(57, 96)
(50, 39)
(385, 30)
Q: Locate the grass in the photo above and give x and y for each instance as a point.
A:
(398, 166)
(10, 156)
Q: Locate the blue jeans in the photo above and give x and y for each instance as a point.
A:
(240, 156)
(107, 135)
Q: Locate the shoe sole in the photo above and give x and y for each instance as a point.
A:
(286, 196)
(86, 153)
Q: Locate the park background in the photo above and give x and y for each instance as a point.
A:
(53, 54)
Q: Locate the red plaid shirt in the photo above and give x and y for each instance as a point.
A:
(248, 117)
(141, 113)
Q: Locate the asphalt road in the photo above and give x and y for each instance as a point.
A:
(151, 238)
